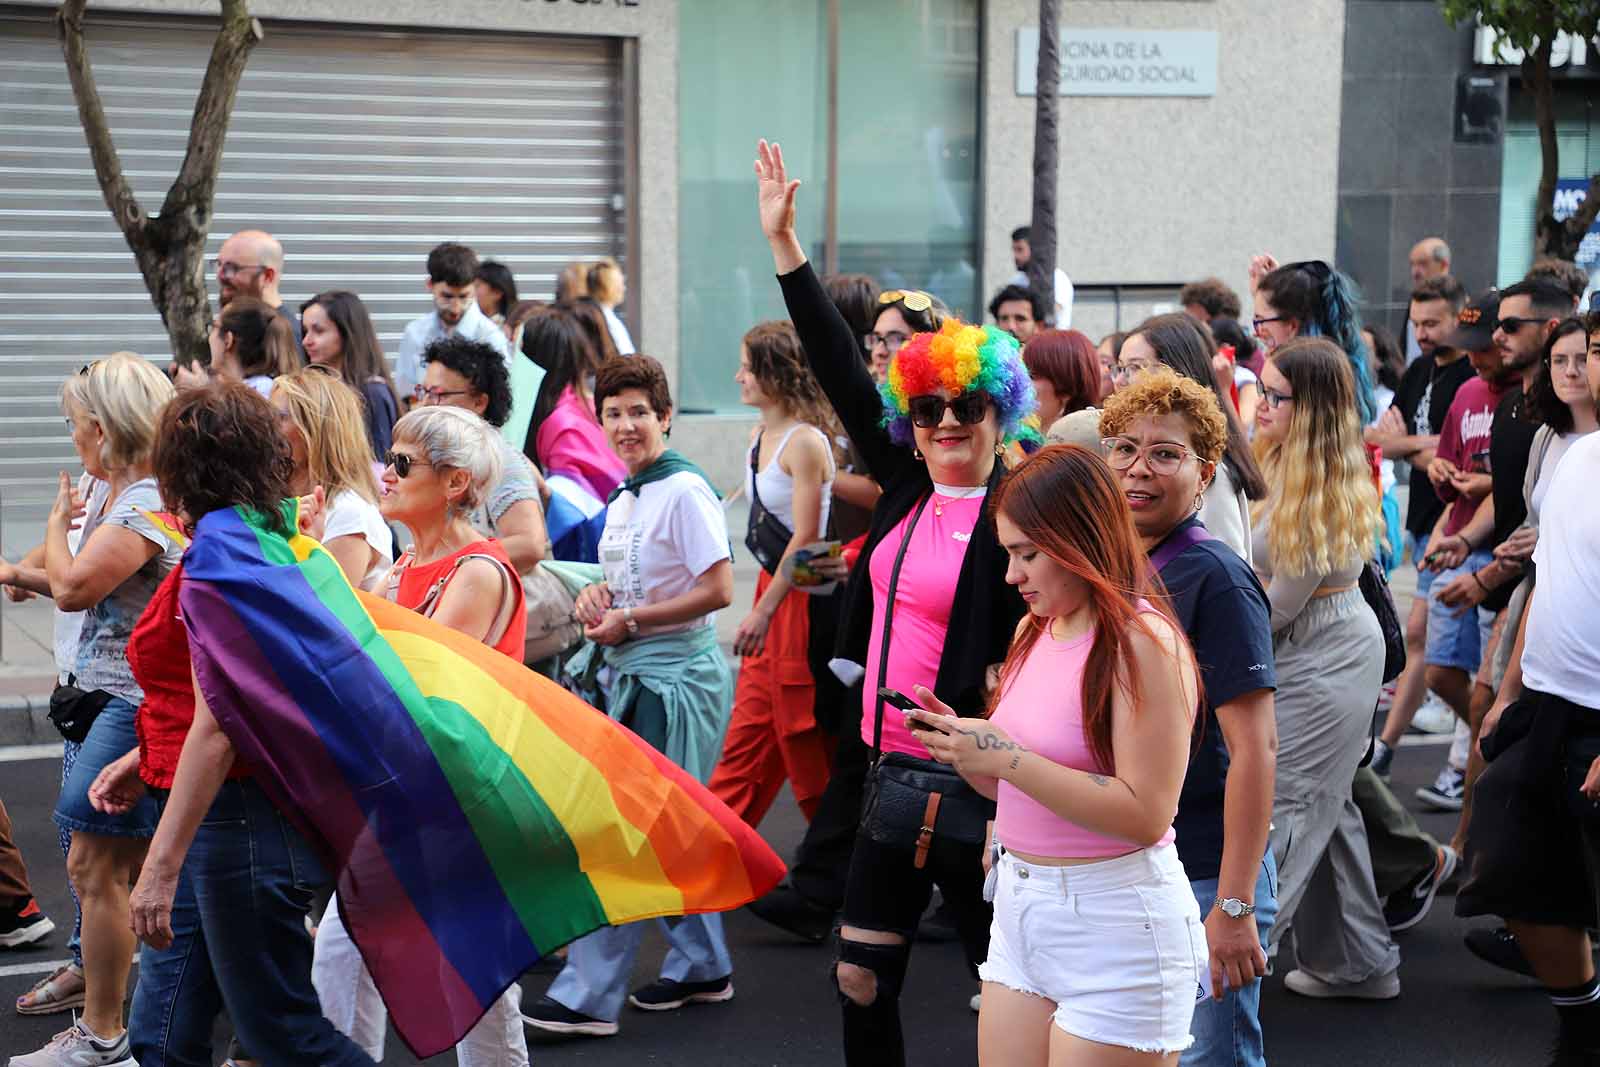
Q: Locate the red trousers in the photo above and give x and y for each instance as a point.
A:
(773, 734)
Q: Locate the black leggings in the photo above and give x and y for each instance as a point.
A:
(886, 891)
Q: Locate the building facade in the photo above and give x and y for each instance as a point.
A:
(1194, 133)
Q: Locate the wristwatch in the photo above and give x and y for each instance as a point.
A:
(1234, 908)
(628, 621)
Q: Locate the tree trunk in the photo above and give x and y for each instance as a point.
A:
(169, 248)
(1046, 158)
(1536, 76)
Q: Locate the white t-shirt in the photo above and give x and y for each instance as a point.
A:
(351, 513)
(656, 545)
(1559, 656)
(1063, 315)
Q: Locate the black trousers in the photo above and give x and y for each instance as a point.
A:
(822, 860)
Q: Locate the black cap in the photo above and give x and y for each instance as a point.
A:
(1474, 330)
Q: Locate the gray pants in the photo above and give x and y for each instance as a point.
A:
(1330, 667)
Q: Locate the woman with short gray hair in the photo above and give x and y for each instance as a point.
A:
(442, 466)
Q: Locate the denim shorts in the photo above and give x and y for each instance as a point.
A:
(1458, 640)
(1117, 945)
(110, 738)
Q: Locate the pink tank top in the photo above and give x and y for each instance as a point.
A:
(1042, 708)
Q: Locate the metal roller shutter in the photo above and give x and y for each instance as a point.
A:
(359, 149)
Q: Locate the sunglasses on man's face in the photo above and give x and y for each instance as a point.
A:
(928, 411)
(1512, 323)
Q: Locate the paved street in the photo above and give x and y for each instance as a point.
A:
(1454, 1010)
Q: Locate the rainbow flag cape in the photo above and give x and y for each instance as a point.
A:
(477, 815)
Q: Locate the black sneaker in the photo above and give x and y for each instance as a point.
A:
(554, 1017)
(789, 910)
(1408, 905)
(667, 995)
(1448, 791)
(23, 924)
(1498, 946)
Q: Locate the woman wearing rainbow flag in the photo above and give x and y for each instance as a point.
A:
(932, 438)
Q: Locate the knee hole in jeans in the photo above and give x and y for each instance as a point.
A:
(857, 983)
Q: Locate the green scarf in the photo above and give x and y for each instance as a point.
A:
(666, 465)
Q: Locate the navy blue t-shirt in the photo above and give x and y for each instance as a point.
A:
(1220, 604)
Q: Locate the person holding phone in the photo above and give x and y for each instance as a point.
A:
(773, 733)
(1084, 749)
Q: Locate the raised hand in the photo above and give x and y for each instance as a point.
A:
(774, 191)
(1261, 265)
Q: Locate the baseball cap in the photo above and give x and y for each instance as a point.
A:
(1474, 329)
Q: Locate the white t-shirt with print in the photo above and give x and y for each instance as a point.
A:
(351, 513)
(657, 544)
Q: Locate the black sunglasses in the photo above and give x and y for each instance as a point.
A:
(403, 463)
(928, 411)
(1512, 323)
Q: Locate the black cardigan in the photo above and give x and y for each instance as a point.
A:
(986, 610)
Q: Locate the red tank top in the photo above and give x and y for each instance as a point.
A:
(421, 586)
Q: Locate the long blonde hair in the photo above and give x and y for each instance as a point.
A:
(1322, 498)
(327, 412)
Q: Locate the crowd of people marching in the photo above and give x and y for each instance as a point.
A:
(1072, 650)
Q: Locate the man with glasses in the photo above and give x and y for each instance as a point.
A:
(452, 268)
(250, 263)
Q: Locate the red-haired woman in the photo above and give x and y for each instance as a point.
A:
(1096, 929)
(1065, 371)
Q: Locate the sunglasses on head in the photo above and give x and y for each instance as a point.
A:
(913, 299)
(403, 463)
(928, 411)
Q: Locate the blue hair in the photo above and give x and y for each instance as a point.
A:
(1327, 304)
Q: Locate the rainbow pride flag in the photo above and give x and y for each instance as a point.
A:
(477, 815)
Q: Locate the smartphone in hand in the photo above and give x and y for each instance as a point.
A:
(896, 699)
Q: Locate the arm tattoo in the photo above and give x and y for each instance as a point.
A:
(987, 739)
(1016, 759)
(1099, 779)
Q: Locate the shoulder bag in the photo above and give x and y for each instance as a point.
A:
(1375, 590)
(766, 536)
(909, 800)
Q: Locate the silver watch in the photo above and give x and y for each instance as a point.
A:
(1234, 908)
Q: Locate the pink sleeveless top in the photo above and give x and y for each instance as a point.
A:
(1042, 708)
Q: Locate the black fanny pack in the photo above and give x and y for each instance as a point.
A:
(74, 710)
(908, 801)
(766, 536)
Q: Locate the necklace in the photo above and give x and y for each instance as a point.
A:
(943, 494)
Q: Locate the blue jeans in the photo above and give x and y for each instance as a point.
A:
(111, 737)
(1228, 1031)
(240, 942)
(595, 979)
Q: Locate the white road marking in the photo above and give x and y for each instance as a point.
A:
(38, 967)
(1425, 740)
(18, 753)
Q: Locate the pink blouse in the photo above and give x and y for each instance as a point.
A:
(570, 442)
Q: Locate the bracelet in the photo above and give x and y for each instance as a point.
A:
(1464, 542)
(1479, 581)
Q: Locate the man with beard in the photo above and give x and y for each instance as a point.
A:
(250, 263)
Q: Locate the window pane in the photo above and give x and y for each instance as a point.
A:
(908, 146)
(752, 69)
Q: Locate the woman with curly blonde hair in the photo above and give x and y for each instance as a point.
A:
(1312, 537)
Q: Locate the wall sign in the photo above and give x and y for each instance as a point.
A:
(1124, 62)
(1570, 193)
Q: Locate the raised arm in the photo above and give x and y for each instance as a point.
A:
(832, 349)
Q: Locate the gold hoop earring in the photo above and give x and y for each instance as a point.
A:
(999, 449)
(916, 454)
(1199, 502)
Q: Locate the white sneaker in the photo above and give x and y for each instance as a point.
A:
(78, 1048)
(1379, 987)
(1434, 717)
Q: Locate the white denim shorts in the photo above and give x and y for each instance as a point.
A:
(1118, 945)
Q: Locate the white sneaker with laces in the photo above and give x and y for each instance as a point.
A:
(1434, 717)
(77, 1047)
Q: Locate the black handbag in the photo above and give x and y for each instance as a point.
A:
(766, 536)
(74, 710)
(1375, 590)
(908, 800)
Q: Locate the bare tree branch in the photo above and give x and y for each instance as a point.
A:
(125, 209)
(197, 178)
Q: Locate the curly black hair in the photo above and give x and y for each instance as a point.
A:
(482, 367)
(220, 447)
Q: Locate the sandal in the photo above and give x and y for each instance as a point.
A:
(61, 991)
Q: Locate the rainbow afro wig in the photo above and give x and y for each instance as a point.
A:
(961, 358)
